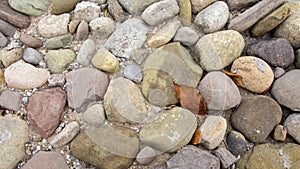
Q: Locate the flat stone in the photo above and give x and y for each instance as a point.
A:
(186, 35)
(107, 147)
(53, 25)
(102, 27)
(59, 7)
(256, 117)
(46, 160)
(59, 41)
(185, 12)
(146, 155)
(94, 115)
(236, 142)
(105, 61)
(116, 10)
(86, 52)
(82, 31)
(58, 60)
(286, 90)
(32, 56)
(198, 5)
(7, 29)
(292, 124)
(56, 80)
(257, 75)
(14, 133)
(280, 133)
(28, 7)
(218, 50)
(135, 6)
(10, 100)
(130, 35)
(66, 135)
(3, 40)
(170, 131)
(226, 158)
(213, 18)
(271, 21)
(239, 4)
(278, 72)
(82, 93)
(87, 11)
(185, 158)
(123, 102)
(277, 52)
(24, 76)
(12, 56)
(133, 72)
(44, 117)
(31, 41)
(219, 91)
(160, 11)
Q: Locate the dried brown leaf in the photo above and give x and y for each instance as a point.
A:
(238, 80)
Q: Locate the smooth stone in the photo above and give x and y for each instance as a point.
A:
(94, 115)
(82, 31)
(116, 10)
(102, 27)
(12, 56)
(187, 36)
(277, 52)
(59, 41)
(257, 75)
(66, 135)
(86, 52)
(146, 155)
(31, 41)
(278, 72)
(213, 18)
(271, 21)
(297, 60)
(133, 72)
(239, 4)
(135, 6)
(185, 12)
(213, 131)
(160, 11)
(130, 35)
(24, 76)
(227, 159)
(170, 131)
(236, 142)
(14, 134)
(185, 158)
(123, 102)
(10, 100)
(53, 25)
(29, 7)
(286, 90)
(164, 34)
(107, 147)
(198, 5)
(73, 25)
(292, 125)
(256, 117)
(43, 117)
(275, 156)
(280, 133)
(218, 50)
(56, 80)
(106, 61)
(32, 56)
(3, 40)
(82, 93)
(219, 91)
(59, 7)
(87, 11)
(7, 29)
(58, 60)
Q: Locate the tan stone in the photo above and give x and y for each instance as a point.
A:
(105, 60)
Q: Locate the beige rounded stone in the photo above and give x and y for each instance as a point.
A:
(105, 60)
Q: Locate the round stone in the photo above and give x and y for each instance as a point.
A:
(102, 27)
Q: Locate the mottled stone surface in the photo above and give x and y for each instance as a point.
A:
(10, 100)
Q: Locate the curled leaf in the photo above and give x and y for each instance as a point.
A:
(197, 137)
(238, 80)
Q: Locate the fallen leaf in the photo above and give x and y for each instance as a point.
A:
(238, 80)
(191, 99)
(197, 137)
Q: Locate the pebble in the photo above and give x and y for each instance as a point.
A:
(2, 79)
(46, 160)
(297, 64)
(286, 90)
(82, 31)
(130, 35)
(24, 76)
(257, 75)
(98, 140)
(43, 117)
(218, 50)
(170, 131)
(213, 131)
(160, 11)
(32, 8)
(31, 41)
(7, 29)
(32, 56)
(87, 11)
(116, 10)
(58, 60)
(193, 157)
(106, 61)
(59, 7)
(94, 115)
(213, 18)
(3, 40)
(292, 125)
(86, 52)
(10, 100)
(135, 6)
(219, 91)
(226, 158)
(59, 42)
(73, 25)
(66, 135)
(164, 34)
(14, 134)
(236, 142)
(278, 72)
(197, 5)
(280, 133)
(12, 56)
(56, 80)
(82, 93)
(133, 72)
(146, 155)
(53, 25)
(185, 12)
(277, 52)
(140, 55)
(239, 4)
(256, 117)
(124, 102)
(187, 36)
(102, 27)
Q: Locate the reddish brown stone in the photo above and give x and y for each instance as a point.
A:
(44, 110)
(31, 41)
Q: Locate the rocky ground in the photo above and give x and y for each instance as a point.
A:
(90, 84)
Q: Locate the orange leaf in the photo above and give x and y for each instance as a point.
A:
(238, 80)
(197, 137)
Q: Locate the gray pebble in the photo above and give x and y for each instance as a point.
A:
(146, 155)
(278, 72)
(94, 115)
(86, 52)
(225, 156)
(133, 72)
(187, 36)
(3, 40)
(32, 56)
(56, 80)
